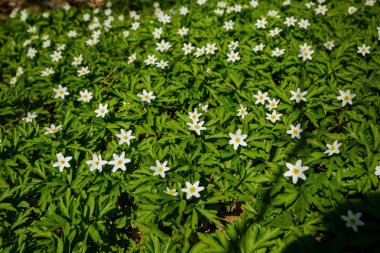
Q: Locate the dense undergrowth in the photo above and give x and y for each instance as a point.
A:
(209, 126)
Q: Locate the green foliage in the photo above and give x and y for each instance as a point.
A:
(247, 204)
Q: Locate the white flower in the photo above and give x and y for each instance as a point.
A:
(83, 71)
(183, 10)
(197, 126)
(63, 162)
(162, 64)
(46, 44)
(32, 29)
(200, 51)
(274, 32)
(203, 107)
(201, 2)
(164, 18)
(254, 3)
(19, 71)
(329, 45)
(322, 9)
(85, 96)
(290, 21)
(126, 33)
(228, 25)
(296, 171)
(272, 104)
(232, 56)
(86, 17)
(102, 110)
(370, 2)
(273, 14)
(96, 163)
(210, 48)
(309, 4)
(233, 45)
(219, 11)
(333, 148)
(295, 131)
(237, 139)
(183, 31)
(56, 56)
(29, 117)
(258, 48)
(119, 162)
(13, 81)
(172, 192)
(146, 96)
(274, 116)
(298, 95)
(261, 97)
(346, 97)
(77, 60)
(162, 46)
(194, 116)
(132, 58)
(160, 168)
(242, 111)
(47, 72)
(31, 52)
(52, 129)
(72, 34)
(192, 190)
(261, 23)
(61, 47)
(303, 23)
(306, 52)
(377, 171)
(351, 10)
(286, 2)
(187, 48)
(61, 92)
(363, 50)
(135, 26)
(125, 137)
(278, 52)
(151, 60)
(353, 220)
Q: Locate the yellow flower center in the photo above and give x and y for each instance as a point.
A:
(54, 130)
(237, 139)
(192, 189)
(119, 162)
(273, 117)
(296, 171)
(146, 96)
(160, 169)
(333, 148)
(96, 163)
(102, 110)
(295, 131)
(125, 137)
(261, 97)
(62, 162)
(352, 220)
(346, 97)
(197, 127)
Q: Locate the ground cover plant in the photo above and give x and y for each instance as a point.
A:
(194, 126)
